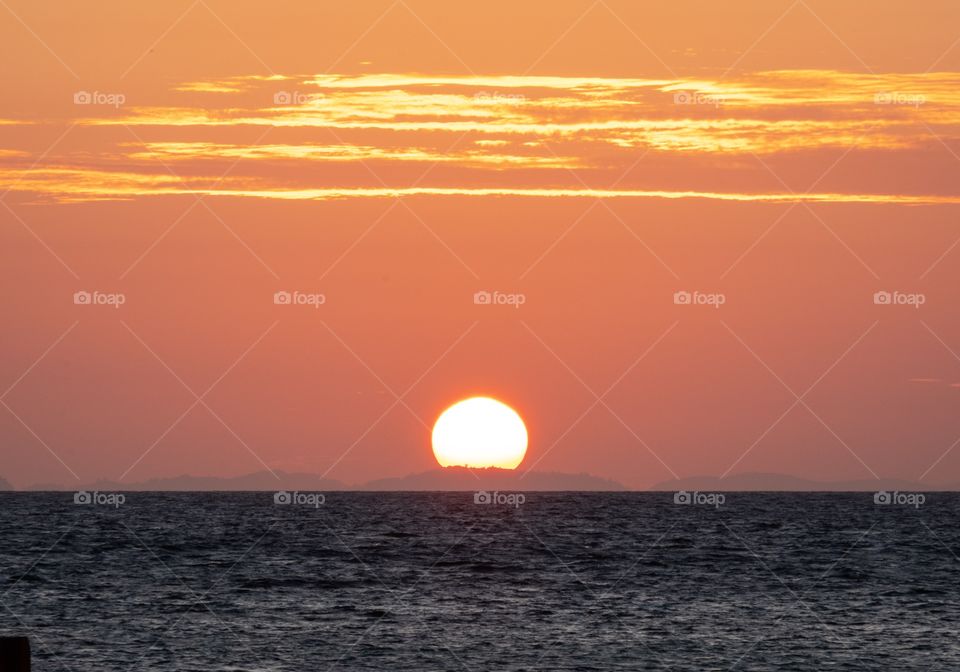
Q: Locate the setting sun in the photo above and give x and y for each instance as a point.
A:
(480, 432)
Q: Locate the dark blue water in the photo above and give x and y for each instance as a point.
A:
(436, 582)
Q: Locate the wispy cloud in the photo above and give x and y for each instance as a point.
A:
(533, 135)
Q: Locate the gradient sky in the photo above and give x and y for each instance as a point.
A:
(397, 157)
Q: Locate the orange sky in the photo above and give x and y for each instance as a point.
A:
(792, 158)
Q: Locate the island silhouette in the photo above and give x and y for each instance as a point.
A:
(771, 482)
(439, 479)
(467, 479)
(492, 478)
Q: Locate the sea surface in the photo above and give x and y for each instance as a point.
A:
(435, 581)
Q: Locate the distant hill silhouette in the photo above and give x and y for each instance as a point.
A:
(5, 486)
(760, 482)
(451, 478)
(461, 478)
(261, 480)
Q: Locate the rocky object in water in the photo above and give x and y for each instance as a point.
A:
(14, 654)
(5, 486)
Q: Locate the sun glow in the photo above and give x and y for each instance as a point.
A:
(479, 432)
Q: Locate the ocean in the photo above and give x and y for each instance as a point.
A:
(495, 581)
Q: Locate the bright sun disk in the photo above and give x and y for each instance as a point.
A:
(480, 432)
